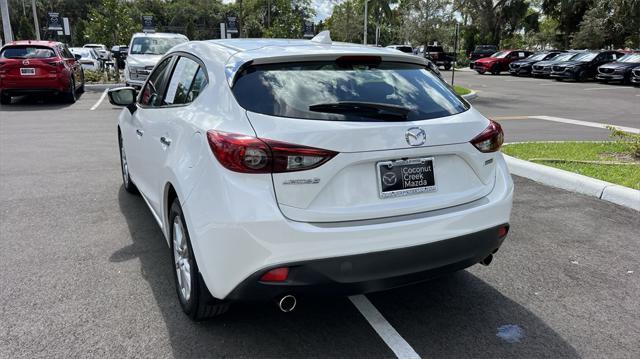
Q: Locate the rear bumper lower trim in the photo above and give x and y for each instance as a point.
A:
(375, 271)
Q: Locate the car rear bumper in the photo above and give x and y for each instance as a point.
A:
(20, 86)
(246, 237)
(369, 272)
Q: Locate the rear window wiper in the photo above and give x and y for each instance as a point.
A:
(364, 109)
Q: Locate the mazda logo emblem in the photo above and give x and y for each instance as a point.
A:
(389, 179)
(416, 136)
(25, 62)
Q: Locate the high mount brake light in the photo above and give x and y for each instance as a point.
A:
(247, 154)
(489, 140)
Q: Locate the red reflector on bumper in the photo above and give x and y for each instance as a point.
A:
(276, 275)
(502, 231)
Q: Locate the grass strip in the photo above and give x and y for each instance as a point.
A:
(606, 161)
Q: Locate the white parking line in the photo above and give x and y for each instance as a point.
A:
(99, 100)
(389, 335)
(608, 88)
(585, 123)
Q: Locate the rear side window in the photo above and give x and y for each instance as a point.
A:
(328, 91)
(27, 52)
(186, 82)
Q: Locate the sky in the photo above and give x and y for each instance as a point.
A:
(323, 7)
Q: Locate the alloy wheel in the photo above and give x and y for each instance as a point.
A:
(182, 259)
(125, 165)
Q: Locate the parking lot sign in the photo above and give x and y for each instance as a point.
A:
(54, 22)
(232, 24)
(148, 24)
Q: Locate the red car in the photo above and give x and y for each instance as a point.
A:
(28, 67)
(499, 61)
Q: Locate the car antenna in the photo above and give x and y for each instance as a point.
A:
(323, 37)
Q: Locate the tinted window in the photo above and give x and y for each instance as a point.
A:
(308, 90)
(154, 45)
(27, 52)
(151, 93)
(500, 54)
(181, 82)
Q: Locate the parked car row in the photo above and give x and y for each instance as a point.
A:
(604, 65)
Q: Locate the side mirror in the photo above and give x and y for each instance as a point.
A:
(77, 57)
(123, 96)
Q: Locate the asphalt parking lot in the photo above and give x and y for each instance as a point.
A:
(85, 272)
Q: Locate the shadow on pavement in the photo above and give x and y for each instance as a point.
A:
(37, 103)
(318, 327)
(456, 316)
(460, 315)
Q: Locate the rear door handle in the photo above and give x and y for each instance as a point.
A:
(165, 141)
(140, 132)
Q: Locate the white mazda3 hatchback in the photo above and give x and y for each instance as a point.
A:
(283, 168)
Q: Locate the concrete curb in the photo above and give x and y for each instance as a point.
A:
(624, 196)
(470, 96)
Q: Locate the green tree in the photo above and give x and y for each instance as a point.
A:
(346, 22)
(111, 23)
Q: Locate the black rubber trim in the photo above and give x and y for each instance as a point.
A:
(369, 272)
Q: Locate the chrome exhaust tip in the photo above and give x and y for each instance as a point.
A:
(287, 303)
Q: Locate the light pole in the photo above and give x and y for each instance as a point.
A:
(6, 26)
(366, 8)
(35, 19)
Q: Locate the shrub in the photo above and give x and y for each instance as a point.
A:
(630, 140)
(92, 76)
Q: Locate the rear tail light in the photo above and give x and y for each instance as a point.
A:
(247, 154)
(489, 140)
(502, 231)
(276, 275)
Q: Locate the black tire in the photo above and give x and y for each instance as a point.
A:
(480, 72)
(127, 183)
(5, 99)
(447, 67)
(558, 78)
(81, 89)
(199, 304)
(580, 76)
(71, 96)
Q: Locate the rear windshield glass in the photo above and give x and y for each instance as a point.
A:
(328, 91)
(27, 52)
(404, 49)
(85, 53)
